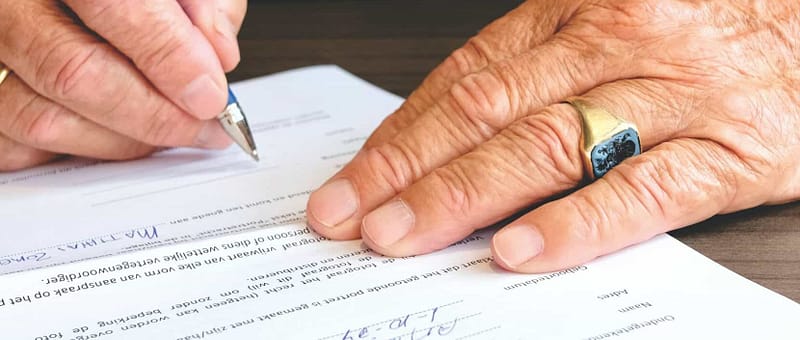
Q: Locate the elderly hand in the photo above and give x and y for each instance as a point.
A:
(113, 79)
(714, 87)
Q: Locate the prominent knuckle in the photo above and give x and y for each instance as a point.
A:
(41, 128)
(648, 182)
(593, 222)
(454, 190)
(393, 165)
(35, 122)
(545, 141)
(484, 98)
(66, 77)
(470, 57)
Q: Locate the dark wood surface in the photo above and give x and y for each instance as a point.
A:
(395, 43)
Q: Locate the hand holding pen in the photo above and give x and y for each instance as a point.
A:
(116, 83)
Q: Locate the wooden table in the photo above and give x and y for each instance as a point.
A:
(395, 43)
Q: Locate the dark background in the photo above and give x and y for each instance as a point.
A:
(395, 43)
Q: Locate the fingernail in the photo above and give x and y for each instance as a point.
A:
(202, 96)
(212, 136)
(333, 203)
(389, 223)
(518, 244)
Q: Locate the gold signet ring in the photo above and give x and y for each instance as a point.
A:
(4, 72)
(607, 140)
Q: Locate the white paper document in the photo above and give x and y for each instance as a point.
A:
(195, 244)
(307, 123)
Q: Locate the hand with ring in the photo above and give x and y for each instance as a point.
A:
(113, 79)
(541, 117)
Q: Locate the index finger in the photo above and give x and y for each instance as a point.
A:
(164, 44)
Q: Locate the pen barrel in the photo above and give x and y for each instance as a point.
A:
(231, 97)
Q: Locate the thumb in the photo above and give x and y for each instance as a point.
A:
(676, 184)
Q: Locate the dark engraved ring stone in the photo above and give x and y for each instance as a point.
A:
(606, 141)
(610, 152)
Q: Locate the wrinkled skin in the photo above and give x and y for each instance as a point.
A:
(113, 79)
(713, 86)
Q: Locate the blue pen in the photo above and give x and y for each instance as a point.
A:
(235, 124)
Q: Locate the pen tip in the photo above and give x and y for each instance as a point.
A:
(254, 154)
